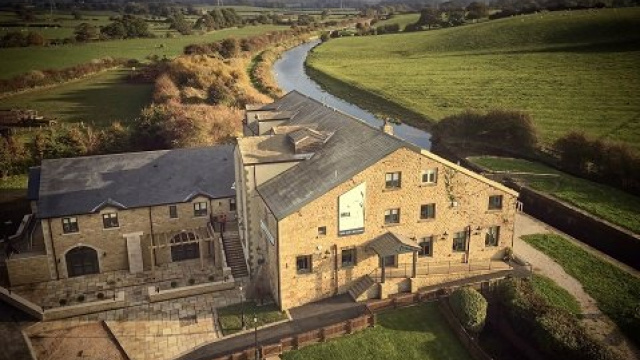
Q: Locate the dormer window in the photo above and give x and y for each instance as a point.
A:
(110, 220)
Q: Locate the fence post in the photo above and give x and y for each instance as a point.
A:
(322, 335)
(349, 327)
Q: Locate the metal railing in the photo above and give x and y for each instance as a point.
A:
(405, 270)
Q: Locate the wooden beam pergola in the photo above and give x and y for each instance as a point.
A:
(166, 240)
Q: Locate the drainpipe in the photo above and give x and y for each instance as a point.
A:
(53, 249)
(153, 241)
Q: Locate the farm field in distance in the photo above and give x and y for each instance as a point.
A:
(98, 100)
(15, 61)
(570, 70)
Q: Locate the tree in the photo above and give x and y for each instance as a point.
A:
(180, 24)
(230, 48)
(476, 10)
(85, 32)
(429, 16)
(324, 37)
(35, 39)
(76, 14)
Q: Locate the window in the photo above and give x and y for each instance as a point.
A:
(348, 257)
(173, 212)
(232, 204)
(322, 230)
(392, 216)
(392, 180)
(200, 209)
(430, 176)
(70, 225)
(495, 202)
(110, 220)
(303, 264)
(426, 246)
(492, 237)
(460, 241)
(428, 211)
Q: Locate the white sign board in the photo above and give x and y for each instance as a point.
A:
(351, 207)
(265, 230)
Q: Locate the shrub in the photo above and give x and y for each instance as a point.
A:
(470, 307)
(551, 329)
(100, 296)
(63, 302)
(174, 284)
(192, 281)
(80, 298)
(515, 129)
(211, 277)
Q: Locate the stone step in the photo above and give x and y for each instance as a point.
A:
(360, 287)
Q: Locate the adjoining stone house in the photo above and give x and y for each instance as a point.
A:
(104, 213)
(328, 204)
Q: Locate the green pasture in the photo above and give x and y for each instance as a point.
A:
(98, 100)
(609, 203)
(401, 19)
(15, 61)
(570, 70)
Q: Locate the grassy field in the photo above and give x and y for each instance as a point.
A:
(14, 61)
(97, 100)
(231, 316)
(401, 19)
(570, 70)
(616, 291)
(611, 204)
(555, 295)
(418, 332)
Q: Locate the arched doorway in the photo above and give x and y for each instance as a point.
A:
(184, 251)
(82, 260)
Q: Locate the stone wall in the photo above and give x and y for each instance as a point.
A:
(298, 233)
(110, 244)
(28, 269)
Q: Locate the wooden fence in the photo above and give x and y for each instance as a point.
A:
(301, 340)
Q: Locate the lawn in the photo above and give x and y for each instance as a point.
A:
(616, 291)
(15, 61)
(569, 70)
(230, 316)
(401, 19)
(555, 295)
(417, 332)
(611, 204)
(97, 100)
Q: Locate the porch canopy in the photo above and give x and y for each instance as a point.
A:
(392, 244)
(168, 239)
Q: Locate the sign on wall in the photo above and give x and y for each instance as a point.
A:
(267, 233)
(351, 207)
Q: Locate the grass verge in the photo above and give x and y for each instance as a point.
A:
(613, 205)
(555, 295)
(417, 332)
(230, 316)
(616, 291)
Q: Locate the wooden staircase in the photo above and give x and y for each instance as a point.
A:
(234, 254)
(360, 287)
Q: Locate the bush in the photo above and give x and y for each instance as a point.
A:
(63, 302)
(100, 296)
(611, 163)
(470, 307)
(174, 284)
(80, 298)
(553, 330)
(192, 281)
(514, 129)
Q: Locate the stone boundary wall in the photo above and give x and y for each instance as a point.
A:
(64, 312)
(156, 295)
(621, 244)
(27, 269)
(21, 303)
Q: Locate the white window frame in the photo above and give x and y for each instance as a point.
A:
(393, 180)
(199, 207)
(68, 221)
(432, 176)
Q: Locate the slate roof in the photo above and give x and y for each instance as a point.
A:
(353, 147)
(391, 243)
(86, 184)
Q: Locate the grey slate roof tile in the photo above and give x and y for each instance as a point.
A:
(82, 185)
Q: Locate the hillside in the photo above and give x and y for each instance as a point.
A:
(570, 70)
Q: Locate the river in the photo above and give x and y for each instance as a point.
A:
(289, 72)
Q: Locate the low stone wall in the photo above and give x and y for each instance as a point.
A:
(64, 312)
(28, 269)
(619, 243)
(156, 295)
(21, 303)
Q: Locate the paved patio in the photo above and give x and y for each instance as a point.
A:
(49, 294)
